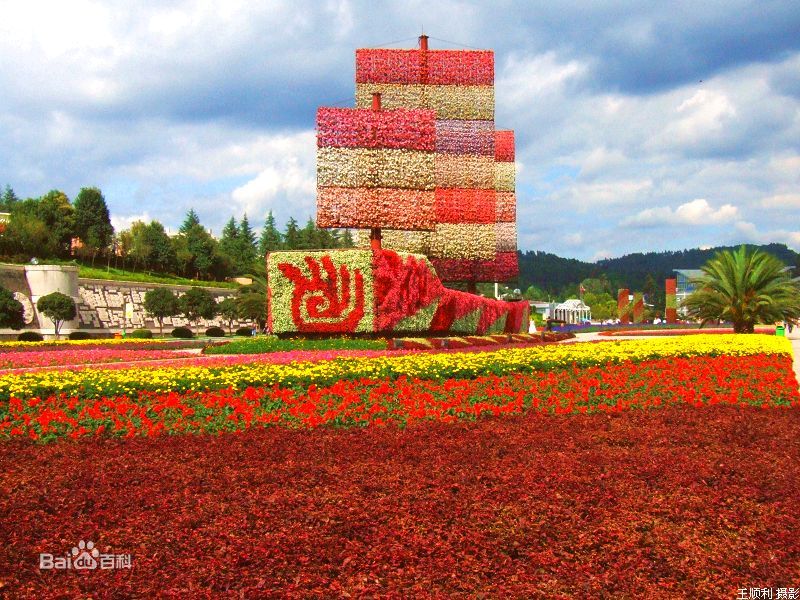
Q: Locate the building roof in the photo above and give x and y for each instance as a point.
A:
(573, 304)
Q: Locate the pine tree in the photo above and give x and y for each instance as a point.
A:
(308, 236)
(270, 236)
(190, 221)
(92, 221)
(246, 243)
(9, 199)
(347, 240)
(291, 238)
(228, 243)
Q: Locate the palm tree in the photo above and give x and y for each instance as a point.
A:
(745, 288)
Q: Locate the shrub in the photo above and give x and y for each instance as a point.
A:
(215, 332)
(183, 333)
(30, 336)
(58, 308)
(80, 335)
(244, 331)
(11, 311)
(144, 334)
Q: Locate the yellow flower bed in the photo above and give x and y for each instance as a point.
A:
(106, 382)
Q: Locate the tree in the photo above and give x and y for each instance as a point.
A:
(202, 249)
(189, 221)
(253, 307)
(92, 221)
(58, 308)
(744, 287)
(228, 309)
(246, 245)
(58, 215)
(270, 237)
(11, 310)
(197, 304)
(307, 237)
(347, 240)
(228, 241)
(291, 239)
(151, 247)
(26, 236)
(161, 303)
(9, 199)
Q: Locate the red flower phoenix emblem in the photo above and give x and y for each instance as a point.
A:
(332, 303)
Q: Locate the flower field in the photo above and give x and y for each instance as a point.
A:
(397, 389)
(671, 503)
(754, 380)
(659, 468)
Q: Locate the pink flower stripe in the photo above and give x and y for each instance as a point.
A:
(364, 128)
(83, 356)
(465, 137)
(669, 331)
(277, 358)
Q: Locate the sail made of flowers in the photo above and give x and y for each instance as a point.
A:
(419, 158)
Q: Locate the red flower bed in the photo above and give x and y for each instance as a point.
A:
(644, 504)
(759, 380)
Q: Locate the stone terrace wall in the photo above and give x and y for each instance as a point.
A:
(102, 306)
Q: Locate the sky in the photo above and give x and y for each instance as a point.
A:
(640, 126)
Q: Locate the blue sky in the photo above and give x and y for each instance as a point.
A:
(640, 126)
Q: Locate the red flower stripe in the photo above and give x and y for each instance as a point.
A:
(756, 380)
(504, 145)
(365, 128)
(465, 205)
(375, 207)
(465, 137)
(437, 67)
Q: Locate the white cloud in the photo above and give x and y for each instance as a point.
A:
(528, 79)
(697, 212)
(749, 232)
(782, 201)
(121, 222)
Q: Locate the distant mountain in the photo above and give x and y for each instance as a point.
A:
(554, 274)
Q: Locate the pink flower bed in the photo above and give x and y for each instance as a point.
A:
(83, 356)
(279, 358)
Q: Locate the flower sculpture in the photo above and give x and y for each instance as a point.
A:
(382, 291)
(424, 157)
